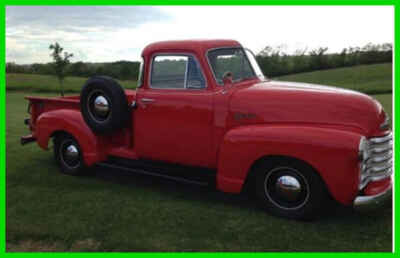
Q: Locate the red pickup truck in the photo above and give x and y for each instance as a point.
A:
(203, 112)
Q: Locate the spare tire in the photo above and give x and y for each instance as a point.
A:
(104, 105)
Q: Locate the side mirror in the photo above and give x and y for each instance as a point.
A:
(227, 79)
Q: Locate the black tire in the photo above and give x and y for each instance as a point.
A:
(117, 105)
(68, 165)
(277, 187)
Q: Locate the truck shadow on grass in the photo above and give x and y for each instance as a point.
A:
(245, 200)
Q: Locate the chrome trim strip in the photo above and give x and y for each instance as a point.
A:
(385, 172)
(378, 165)
(379, 169)
(388, 173)
(382, 139)
(186, 74)
(140, 80)
(381, 158)
(146, 100)
(376, 150)
(252, 68)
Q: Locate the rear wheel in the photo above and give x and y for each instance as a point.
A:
(68, 154)
(290, 188)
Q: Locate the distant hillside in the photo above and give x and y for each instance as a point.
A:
(370, 79)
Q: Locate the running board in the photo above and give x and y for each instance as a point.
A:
(155, 174)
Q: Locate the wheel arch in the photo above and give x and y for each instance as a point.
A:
(52, 123)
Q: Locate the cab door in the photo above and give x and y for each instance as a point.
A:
(174, 115)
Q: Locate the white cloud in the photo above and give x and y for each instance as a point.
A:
(313, 26)
(254, 26)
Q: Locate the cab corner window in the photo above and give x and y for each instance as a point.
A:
(176, 72)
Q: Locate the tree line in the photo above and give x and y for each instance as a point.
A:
(124, 70)
(273, 61)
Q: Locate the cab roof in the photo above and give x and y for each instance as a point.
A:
(189, 45)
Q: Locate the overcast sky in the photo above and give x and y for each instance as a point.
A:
(111, 33)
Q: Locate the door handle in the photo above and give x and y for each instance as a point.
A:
(146, 100)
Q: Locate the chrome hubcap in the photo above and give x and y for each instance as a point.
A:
(288, 188)
(70, 154)
(101, 106)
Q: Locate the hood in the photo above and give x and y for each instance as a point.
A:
(289, 102)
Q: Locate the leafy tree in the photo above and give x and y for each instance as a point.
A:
(60, 62)
(318, 58)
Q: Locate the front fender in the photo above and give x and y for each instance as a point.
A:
(331, 152)
(69, 121)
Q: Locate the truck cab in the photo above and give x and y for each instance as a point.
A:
(204, 109)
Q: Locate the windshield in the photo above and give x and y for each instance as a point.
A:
(239, 62)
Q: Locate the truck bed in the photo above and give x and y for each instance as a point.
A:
(39, 105)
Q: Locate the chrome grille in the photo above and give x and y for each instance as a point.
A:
(379, 164)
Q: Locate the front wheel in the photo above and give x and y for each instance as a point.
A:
(68, 154)
(290, 188)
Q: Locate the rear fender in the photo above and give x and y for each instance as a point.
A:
(332, 153)
(71, 122)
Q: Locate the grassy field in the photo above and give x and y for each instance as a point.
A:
(47, 83)
(113, 211)
(370, 79)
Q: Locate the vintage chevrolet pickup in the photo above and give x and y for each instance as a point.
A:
(203, 112)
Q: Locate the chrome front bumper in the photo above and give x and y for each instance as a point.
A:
(371, 202)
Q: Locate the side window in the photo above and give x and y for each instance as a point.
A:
(176, 72)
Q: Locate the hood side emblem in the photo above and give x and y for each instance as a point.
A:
(240, 116)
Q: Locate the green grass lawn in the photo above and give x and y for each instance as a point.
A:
(48, 83)
(47, 210)
(370, 79)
